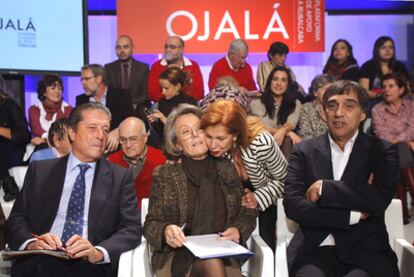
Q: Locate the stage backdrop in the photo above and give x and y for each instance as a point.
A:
(208, 26)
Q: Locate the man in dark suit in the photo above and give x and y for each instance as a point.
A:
(116, 100)
(80, 202)
(337, 188)
(129, 74)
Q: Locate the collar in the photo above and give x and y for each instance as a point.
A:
(103, 98)
(73, 162)
(348, 144)
(129, 62)
(134, 162)
(231, 66)
(186, 62)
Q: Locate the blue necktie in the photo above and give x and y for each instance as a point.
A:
(74, 215)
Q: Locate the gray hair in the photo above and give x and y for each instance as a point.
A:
(96, 69)
(320, 81)
(76, 115)
(170, 133)
(237, 44)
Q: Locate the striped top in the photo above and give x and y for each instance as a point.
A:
(266, 167)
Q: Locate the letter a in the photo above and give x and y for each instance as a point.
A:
(271, 29)
(222, 29)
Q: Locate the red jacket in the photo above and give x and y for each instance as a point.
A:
(195, 89)
(144, 179)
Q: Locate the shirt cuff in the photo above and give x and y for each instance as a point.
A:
(354, 217)
(106, 259)
(24, 245)
(44, 136)
(320, 189)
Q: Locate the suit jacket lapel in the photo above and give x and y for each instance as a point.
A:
(358, 157)
(322, 158)
(100, 187)
(53, 188)
(132, 73)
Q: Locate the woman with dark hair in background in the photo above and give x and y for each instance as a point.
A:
(384, 61)
(50, 108)
(341, 63)
(172, 80)
(392, 120)
(278, 107)
(14, 135)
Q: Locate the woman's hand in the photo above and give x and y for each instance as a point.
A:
(174, 236)
(231, 233)
(294, 137)
(156, 114)
(249, 200)
(37, 140)
(279, 135)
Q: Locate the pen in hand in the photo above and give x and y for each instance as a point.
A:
(40, 238)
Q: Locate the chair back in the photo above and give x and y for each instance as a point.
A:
(285, 227)
(394, 221)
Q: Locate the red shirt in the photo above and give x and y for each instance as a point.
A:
(144, 180)
(195, 89)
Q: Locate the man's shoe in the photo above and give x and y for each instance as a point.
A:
(10, 189)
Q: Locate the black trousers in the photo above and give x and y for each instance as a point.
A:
(267, 226)
(48, 266)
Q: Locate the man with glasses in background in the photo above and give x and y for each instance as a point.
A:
(234, 64)
(118, 101)
(174, 56)
(142, 159)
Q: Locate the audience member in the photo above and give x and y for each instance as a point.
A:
(279, 108)
(383, 61)
(392, 120)
(142, 159)
(234, 64)
(58, 139)
(129, 74)
(80, 202)
(14, 135)
(226, 88)
(174, 57)
(118, 101)
(256, 156)
(202, 193)
(276, 54)
(337, 188)
(312, 121)
(50, 108)
(341, 63)
(171, 81)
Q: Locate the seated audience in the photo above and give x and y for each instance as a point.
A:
(337, 189)
(257, 158)
(392, 120)
(118, 101)
(129, 74)
(14, 135)
(227, 88)
(384, 61)
(174, 57)
(234, 64)
(341, 63)
(172, 81)
(80, 203)
(312, 121)
(50, 108)
(58, 139)
(142, 159)
(279, 108)
(200, 195)
(276, 54)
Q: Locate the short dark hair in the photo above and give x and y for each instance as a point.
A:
(96, 69)
(277, 48)
(58, 128)
(76, 115)
(175, 76)
(344, 87)
(47, 81)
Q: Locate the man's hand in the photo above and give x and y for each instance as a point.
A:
(37, 140)
(46, 241)
(231, 233)
(249, 200)
(312, 194)
(78, 247)
(112, 141)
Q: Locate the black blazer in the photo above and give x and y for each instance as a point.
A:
(137, 83)
(118, 101)
(364, 244)
(113, 219)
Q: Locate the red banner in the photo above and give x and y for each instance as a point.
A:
(208, 26)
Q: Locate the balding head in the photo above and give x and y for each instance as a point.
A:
(133, 137)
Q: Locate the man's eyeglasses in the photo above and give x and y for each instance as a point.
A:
(132, 140)
(87, 78)
(189, 132)
(172, 46)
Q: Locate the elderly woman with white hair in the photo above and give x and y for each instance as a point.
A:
(200, 195)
